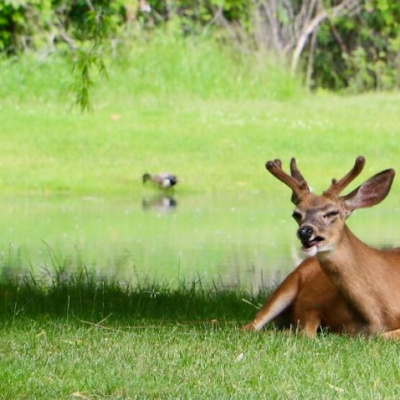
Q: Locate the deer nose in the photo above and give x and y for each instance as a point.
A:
(305, 233)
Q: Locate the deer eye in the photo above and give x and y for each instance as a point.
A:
(296, 215)
(330, 214)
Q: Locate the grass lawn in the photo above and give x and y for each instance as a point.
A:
(215, 142)
(213, 146)
(55, 359)
(81, 339)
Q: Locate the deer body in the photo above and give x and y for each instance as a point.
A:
(308, 300)
(319, 304)
(367, 279)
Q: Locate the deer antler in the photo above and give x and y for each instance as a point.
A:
(295, 182)
(337, 186)
(278, 162)
(294, 171)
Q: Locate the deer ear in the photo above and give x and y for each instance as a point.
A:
(371, 192)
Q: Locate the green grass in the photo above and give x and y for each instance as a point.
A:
(67, 293)
(61, 361)
(194, 110)
(83, 337)
(214, 146)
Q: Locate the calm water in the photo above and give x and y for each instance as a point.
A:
(248, 240)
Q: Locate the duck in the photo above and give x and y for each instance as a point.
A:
(163, 180)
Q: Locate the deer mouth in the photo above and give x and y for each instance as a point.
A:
(310, 247)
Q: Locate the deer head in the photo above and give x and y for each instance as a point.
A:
(321, 218)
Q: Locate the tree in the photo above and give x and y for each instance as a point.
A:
(287, 26)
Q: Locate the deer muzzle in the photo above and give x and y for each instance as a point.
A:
(305, 233)
(309, 239)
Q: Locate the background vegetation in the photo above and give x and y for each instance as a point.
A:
(334, 44)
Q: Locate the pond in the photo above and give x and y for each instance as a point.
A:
(247, 240)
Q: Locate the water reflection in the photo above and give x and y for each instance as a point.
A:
(247, 239)
(160, 203)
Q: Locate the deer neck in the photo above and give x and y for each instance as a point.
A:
(347, 250)
(350, 266)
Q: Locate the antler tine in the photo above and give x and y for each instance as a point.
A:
(298, 188)
(338, 186)
(296, 174)
(294, 171)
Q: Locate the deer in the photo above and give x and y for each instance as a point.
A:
(359, 285)
(306, 300)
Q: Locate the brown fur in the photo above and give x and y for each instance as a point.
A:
(309, 301)
(369, 279)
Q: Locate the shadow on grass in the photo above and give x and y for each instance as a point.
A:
(83, 295)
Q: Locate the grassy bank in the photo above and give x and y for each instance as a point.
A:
(81, 337)
(81, 294)
(212, 118)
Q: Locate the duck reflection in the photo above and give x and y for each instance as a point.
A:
(161, 203)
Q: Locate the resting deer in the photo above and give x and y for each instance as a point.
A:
(306, 299)
(364, 283)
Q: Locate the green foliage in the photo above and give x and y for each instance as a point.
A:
(83, 63)
(356, 51)
(93, 28)
(361, 53)
(165, 65)
(36, 24)
(23, 23)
